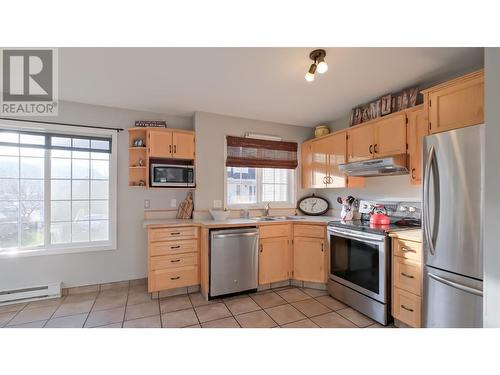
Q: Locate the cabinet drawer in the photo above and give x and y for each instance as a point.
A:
(273, 230)
(407, 275)
(407, 307)
(174, 261)
(169, 234)
(173, 278)
(302, 230)
(407, 249)
(173, 247)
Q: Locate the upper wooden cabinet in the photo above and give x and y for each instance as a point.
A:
(456, 103)
(417, 129)
(160, 143)
(306, 164)
(320, 163)
(360, 143)
(390, 135)
(378, 138)
(177, 144)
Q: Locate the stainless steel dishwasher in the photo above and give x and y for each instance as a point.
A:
(233, 260)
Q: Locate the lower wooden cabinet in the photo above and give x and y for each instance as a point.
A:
(274, 263)
(173, 258)
(309, 259)
(407, 281)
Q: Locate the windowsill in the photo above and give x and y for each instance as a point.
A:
(55, 251)
(285, 206)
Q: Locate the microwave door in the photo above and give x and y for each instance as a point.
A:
(169, 176)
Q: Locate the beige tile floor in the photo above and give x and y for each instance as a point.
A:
(133, 308)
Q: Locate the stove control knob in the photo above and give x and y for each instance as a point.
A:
(412, 209)
(403, 208)
(365, 206)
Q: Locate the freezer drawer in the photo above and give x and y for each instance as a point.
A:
(233, 260)
(451, 300)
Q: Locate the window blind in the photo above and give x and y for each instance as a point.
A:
(259, 153)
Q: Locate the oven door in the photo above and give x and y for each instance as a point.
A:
(172, 175)
(359, 261)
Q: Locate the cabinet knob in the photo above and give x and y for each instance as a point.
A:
(375, 151)
(170, 149)
(413, 170)
(370, 149)
(175, 149)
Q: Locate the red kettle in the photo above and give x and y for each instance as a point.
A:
(379, 216)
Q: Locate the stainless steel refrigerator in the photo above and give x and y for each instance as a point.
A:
(452, 228)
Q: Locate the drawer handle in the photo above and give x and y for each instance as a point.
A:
(175, 260)
(175, 278)
(406, 308)
(175, 233)
(175, 247)
(406, 250)
(408, 276)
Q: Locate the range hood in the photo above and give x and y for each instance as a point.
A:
(388, 166)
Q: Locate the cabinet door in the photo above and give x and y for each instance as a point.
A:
(336, 153)
(306, 160)
(183, 146)
(390, 136)
(457, 105)
(319, 149)
(274, 262)
(417, 130)
(360, 143)
(309, 261)
(160, 144)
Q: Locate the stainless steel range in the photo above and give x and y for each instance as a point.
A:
(360, 255)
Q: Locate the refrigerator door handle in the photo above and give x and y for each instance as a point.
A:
(458, 286)
(427, 175)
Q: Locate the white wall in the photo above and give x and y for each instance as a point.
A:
(491, 244)
(129, 260)
(211, 130)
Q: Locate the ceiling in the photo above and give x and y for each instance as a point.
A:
(258, 83)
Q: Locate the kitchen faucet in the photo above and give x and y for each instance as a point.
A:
(267, 207)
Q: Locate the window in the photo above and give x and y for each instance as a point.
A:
(258, 186)
(55, 192)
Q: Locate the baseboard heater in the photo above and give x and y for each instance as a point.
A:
(28, 294)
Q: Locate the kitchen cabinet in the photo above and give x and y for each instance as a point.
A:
(173, 258)
(183, 145)
(324, 156)
(309, 253)
(360, 143)
(160, 143)
(378, 138)
(274, 264)
(407, 278)
(174, 144)
(306, 164)
(456, 103)
(417, 129)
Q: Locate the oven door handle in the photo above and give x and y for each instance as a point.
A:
(357, 237)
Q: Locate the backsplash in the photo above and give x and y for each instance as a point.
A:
(386, 188)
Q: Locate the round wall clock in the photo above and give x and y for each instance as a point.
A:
(313, 205)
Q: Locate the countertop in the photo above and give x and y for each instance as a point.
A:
(409, 234)
(158, 223)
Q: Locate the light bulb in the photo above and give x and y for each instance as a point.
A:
(309, 77)
(310, 74)
(322, 67)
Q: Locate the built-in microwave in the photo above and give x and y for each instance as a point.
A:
(172, 175)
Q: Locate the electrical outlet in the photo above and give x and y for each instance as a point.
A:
(147, 203)
(173, 202)
(217, 203)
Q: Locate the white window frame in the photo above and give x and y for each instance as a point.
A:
(292, 193)
(76, 247)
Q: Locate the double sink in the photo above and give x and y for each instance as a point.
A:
(279, 218)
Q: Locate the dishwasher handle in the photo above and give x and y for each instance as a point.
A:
(243, 234)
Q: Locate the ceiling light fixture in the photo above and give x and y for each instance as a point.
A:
(319, 64)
